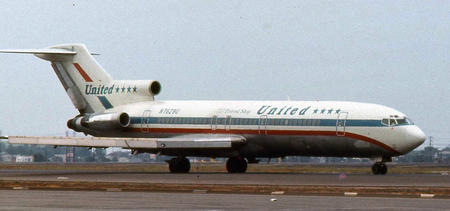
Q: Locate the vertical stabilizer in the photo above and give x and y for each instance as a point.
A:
(76, 69)
(76, 73)
(89, 87)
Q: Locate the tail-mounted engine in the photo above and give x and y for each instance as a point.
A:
(137, 90)
(102, 122)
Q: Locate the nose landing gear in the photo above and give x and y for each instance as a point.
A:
(379, 168)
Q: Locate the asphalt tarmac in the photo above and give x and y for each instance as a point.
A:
(59, 199)
(419, 180)
(93, 200)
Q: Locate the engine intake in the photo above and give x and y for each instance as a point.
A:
(155, 87)
(104, 122)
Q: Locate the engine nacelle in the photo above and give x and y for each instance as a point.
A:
(140, 87)
(103, 122)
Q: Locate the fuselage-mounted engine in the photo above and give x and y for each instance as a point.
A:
(100, 122)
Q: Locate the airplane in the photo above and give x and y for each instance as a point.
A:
(124, 113)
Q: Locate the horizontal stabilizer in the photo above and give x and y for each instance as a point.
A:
(181, 142)
(40, 51)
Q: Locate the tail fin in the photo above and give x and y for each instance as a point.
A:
(77, 72)
(89, 87)
(76, 69)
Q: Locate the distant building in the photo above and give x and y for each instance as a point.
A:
(6, 157)
(124, 160)
(24, 159)
(60, 157)
(153, 157)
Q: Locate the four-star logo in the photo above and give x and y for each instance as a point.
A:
(126, 89)
(326, 111)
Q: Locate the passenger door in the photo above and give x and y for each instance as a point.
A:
(262, 125)
(213, 124)
(145, 121)
(227, 124)
(340, 123)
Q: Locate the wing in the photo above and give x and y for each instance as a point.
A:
(179, 142)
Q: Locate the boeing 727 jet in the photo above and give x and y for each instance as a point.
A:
(124, 113)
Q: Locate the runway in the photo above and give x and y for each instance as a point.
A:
(338, 184)
(93, 200)
(336, 179)
(25, 187)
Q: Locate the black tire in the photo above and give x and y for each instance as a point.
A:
(179, 165)
(236, 165)
(383, 169)
(379, 168)
(376, 169)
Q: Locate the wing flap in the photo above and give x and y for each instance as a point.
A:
(132, 143)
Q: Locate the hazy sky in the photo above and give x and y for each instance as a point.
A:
(395, 53)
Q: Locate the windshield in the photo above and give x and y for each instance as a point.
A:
(394, 120)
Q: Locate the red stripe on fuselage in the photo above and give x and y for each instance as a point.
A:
(82, 72)
(269, 132)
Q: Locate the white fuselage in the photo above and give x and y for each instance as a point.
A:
(124, 113)
(277, 128)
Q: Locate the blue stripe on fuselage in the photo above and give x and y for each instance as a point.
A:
(256, 121)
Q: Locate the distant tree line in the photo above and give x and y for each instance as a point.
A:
(84, 154)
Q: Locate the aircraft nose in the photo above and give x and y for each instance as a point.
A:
(415, 137)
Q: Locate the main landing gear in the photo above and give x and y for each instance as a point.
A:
(379, 168)
(179, 165)
(236, 165)
(182, 165)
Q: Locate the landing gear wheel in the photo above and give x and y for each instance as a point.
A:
(179, 165)
(379, 168)
(236, 165)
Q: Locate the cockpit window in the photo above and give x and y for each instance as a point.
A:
(404, 121)
(394, 120)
